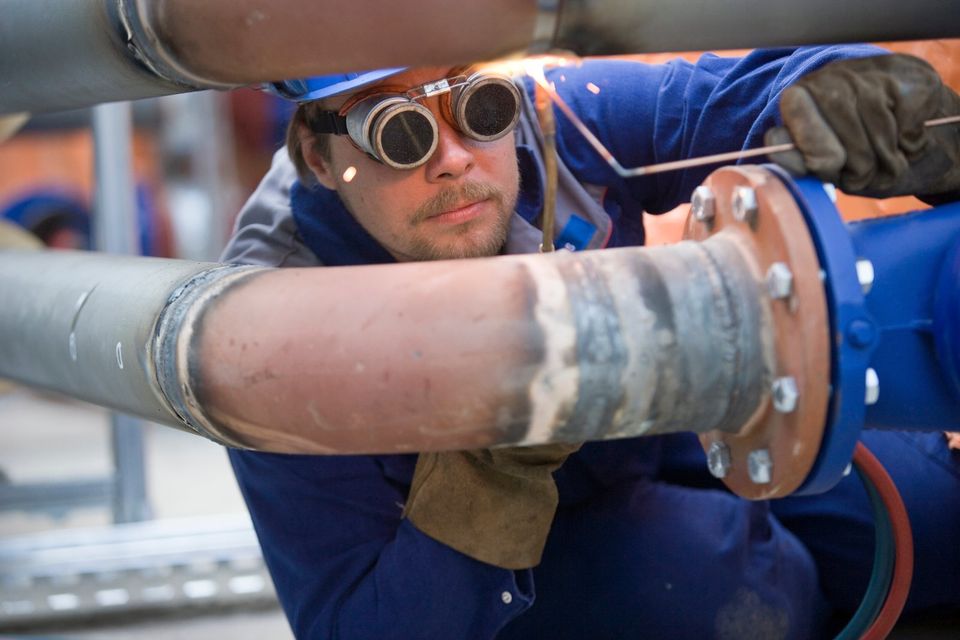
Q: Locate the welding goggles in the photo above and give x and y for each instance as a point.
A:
(393, 126)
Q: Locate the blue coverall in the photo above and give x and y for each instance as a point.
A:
(645, 544)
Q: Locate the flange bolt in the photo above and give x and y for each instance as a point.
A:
(718, 459)
(785, 394)
(745, 204)
(873, 386)
(865, 275)
(703, 204)
(760, 466)
(779, 281)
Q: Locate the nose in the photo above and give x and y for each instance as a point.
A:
(453, 158)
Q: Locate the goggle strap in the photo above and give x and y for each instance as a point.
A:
(328, 122)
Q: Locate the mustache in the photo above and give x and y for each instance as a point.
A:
(452, 197)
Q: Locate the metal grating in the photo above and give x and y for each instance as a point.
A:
(141, 567)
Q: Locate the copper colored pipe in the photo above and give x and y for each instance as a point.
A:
(451, 355)
(411, 357)
(277, 39)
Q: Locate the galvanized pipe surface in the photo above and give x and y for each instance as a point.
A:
(57, 55)
(116, 228)
(84, 323)
(441, 355)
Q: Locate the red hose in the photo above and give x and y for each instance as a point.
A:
(902, 540)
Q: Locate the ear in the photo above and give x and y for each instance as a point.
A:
(321, 168)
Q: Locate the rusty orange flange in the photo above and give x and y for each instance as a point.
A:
(782, 439)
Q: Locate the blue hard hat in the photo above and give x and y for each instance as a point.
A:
(318, 87)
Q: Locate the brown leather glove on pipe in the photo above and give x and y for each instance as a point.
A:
(860, 125)
(494, 505)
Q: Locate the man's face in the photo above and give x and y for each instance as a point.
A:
(456, 205)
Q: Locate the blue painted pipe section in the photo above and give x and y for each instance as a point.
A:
(946, 317)
(907, 327)
(849, 318)
(914, 258)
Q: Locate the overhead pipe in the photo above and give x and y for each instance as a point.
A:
(411, 357)
(58, 55)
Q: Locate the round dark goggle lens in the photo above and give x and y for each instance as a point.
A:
(406, 138)
(490, 110)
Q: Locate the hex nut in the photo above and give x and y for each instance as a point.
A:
(873, 386)
(779, 281)
(831, 190)
(760, 466)
(745, 206)
(865, 275)
(785, 393)
(718, 459)
(703, 204)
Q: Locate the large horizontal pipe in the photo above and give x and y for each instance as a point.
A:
(595, 27)
(441, 355)
(57, 55)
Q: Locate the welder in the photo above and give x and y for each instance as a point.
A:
(613, 539)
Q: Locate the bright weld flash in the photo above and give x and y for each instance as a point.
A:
(534, 69)
(349, 174)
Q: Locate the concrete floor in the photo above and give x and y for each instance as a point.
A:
(258, 625)
(47, 438)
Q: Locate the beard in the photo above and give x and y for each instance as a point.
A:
(474, 239)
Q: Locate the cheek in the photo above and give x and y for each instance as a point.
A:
(504, 157)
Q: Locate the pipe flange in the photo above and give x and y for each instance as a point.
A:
(752, 206)
(152, 50)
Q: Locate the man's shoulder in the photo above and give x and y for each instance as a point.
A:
(265, 232)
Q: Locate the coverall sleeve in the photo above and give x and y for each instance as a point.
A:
(346, 565)
(646, 114)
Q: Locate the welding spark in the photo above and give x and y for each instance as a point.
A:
(534, 68)
(349, 174)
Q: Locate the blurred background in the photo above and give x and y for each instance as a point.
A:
(111, 527)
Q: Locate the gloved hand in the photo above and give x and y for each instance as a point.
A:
(494, 505)
(860, 124)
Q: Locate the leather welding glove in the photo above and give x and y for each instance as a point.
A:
(494, 505)
(860, 124)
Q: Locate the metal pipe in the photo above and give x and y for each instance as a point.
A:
(246, 41)
(80, 323)
(421, 356)
(116, 230)
(57, 55)
(251, 40)
(602, 27)
(116, 227)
